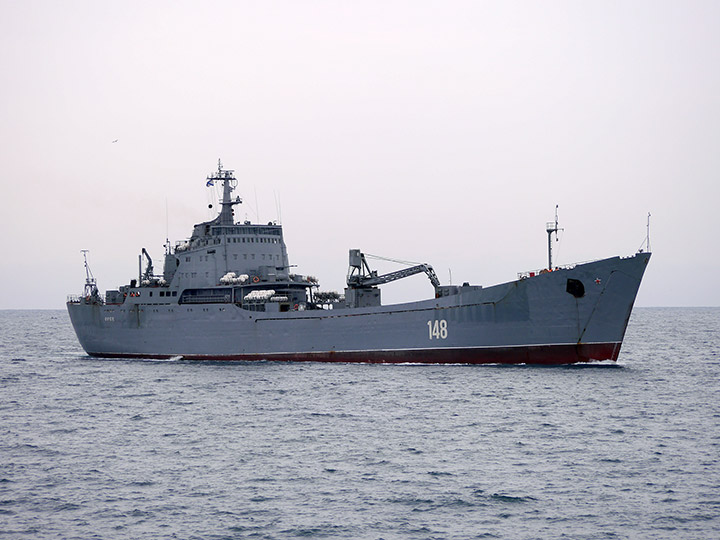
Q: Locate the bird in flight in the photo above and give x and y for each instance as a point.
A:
(116, 140)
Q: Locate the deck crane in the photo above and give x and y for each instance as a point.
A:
(149, 272)
(361, 280)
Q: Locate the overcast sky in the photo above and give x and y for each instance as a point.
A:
(442, 132)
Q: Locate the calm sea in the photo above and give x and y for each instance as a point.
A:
(173, 449)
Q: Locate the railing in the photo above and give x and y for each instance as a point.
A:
(80, 299)
(533, 273)
(205, 299)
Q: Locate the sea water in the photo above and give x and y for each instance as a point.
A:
(128, 449)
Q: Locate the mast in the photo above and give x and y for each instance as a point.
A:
(226, 216)
(227, 177)
(552, 227)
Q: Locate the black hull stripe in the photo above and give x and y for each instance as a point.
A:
(532, 354)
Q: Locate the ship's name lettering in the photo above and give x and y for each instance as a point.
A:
(437, 329)
(109, 319)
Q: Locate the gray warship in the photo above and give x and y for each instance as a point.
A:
(227, 293)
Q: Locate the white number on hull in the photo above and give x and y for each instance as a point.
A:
(437, 329)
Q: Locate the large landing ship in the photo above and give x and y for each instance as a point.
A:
(227, 293)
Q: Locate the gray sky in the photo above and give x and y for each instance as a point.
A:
(442, 132)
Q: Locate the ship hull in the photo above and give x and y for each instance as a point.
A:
(538, 320)
(538, 354)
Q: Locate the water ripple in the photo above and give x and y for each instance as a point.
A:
(176, 449)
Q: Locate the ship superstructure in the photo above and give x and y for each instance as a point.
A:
(227, 293)
(223, 261)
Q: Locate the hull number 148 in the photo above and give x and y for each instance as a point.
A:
(437, 329)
